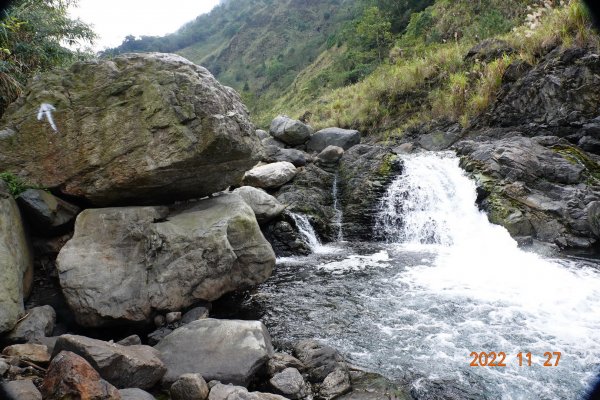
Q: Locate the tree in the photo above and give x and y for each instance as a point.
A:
(33, 38)
(374, 32)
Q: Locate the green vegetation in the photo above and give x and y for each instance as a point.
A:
(32, 38)
(16, 185)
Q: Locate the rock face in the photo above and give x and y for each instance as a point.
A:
(343, 138)
(139, 128)
(38, 323)
(70, 377)
(270, 176)
(153, 259)
(290, 131)
(122, 366)
(16, 262)
(542, 187)
(47, 214)
(229, 351)
(265, 206)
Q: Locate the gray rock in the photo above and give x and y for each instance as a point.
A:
(156, 336)
(189, 387)
(290, 384)
(343, 138)
(47, 214)
(16, 262)
(271, 141)
(290, 131)
(262, 134)
(38, 323)
(35, 353)
(270, 176)
(49, 342)
(265, 206)
(319, 359)
(335, 384)
(441, 138)
(135, 394)
(4, 367)
(230, 392)
(404, 148)
(135, 129)
(154, 259)
(195, 314)
(123, 366)
(20, 390)
(275, 154)
(281, 361)
(132, 340)
(159, 321)
(225, 350)
(329, 157)
(285, 239)
(173, 317)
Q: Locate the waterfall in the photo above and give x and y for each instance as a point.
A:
(338, 215)
(307, 232)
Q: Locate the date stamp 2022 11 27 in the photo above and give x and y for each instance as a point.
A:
(499, 359)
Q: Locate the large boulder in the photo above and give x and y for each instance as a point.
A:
(137, 128)
(124, 264)
(270, 176)
(541, 187)
(69, 376)
(46, 213)
(265, 206)
(344, 138)
(123, 366)
(229, 351)
(16, 261)
(274, 154)
(290, 131)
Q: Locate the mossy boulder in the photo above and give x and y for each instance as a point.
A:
(136, 129)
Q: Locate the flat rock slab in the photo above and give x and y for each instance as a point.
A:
(135, 129)
(123, 366)
(229, 351)
(153, 259)
(270, 176)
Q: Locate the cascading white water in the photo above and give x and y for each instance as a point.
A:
(307, 232)
(338, 214)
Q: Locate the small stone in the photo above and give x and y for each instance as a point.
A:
(335, 384)
(290, 383)
(158, 335)
(281, 361)
(35, 353)
(132, 340)
(189, 387)
(19, 390)
(173, 317)
(195, 314)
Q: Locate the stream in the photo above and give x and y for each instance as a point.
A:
(446, 283)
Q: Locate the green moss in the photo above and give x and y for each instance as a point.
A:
(578, 157)
(386, 167)
(16, 185)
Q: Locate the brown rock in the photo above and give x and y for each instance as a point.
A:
(70, 377)
(36, 353)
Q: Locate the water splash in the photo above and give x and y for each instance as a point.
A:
(307, 232)
(338, 215)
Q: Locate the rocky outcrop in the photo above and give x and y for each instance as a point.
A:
(16, 262)
(270, 176)
(364, 173)
(137, 128)
(290, 131)
(47, 214)
(122, 366)
(344, 138)
(229, 351)
(153, 258)
(543, 188)
(70, 377)
(265, 206)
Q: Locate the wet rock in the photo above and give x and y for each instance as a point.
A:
(16, 261)
(195, 314)
(230, 392)
(229, 351)
(343, 138)
(154, 259)
(290, 384)
(320, 360)
(123, 366)
(274, 154)
(335, 384)
(289, 131)
(39, 322)
(132, 340)
(70, 376)
(285, 239)
(265, 206)
(372, 386)
(166, 141)
(47, 214)
(19, 390)
(281, 361)
(135, 394)
(404, 148)
(270, 176)
(189, 387)
(35, 353)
